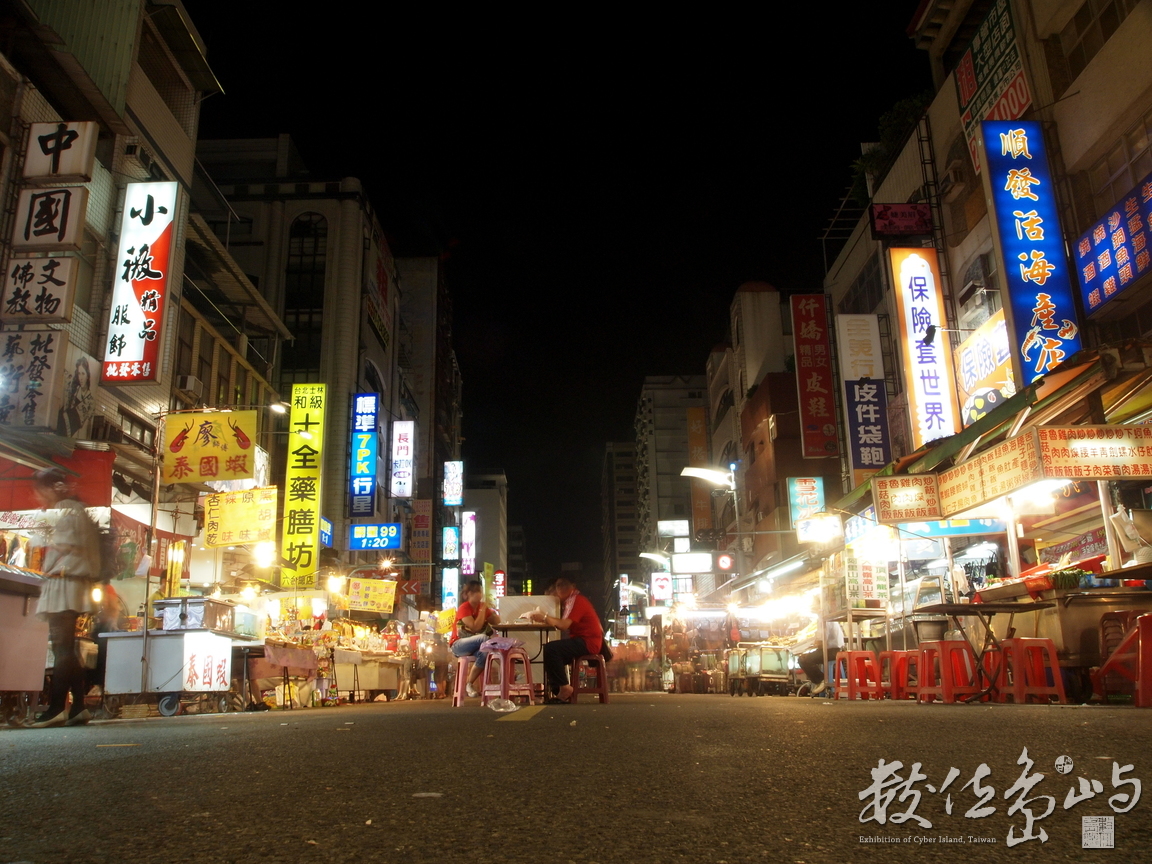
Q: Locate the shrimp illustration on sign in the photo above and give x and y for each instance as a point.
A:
(242, 440)
(178, 442)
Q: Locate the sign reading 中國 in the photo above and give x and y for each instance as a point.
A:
(388, 535)
(1044, 331)
(364, 450)
(805, 497)
(1114, 252)
(453, 484)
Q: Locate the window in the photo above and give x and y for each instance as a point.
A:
(1091, 26)
(1126, 164)
(140, 431)
(304, 297)
(866, 291)
(185, 333)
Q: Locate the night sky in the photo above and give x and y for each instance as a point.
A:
(600, 187)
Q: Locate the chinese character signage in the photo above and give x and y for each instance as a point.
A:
(450, 545)
(381, 536)
(865, 581)
(39, 290)
(363, 453)
(325, 532)
(453, 484)
(140, 280)
(805, 497)
(207, 662)
(900, 220)
(1044, 331)
(1096, 452)
(814, 379)
(468, 543)
(208, 445)
(1114, 252)
(302, 486)
(698, 458)
(61, 152)
(906, 498)
(403, 457)
(865, 399)
(984, 369)
(420, 545)
(927, 367)
(449, 588)
(990, 82)
(237, 518)
(50, 220)
(371, 595)
(31, 365)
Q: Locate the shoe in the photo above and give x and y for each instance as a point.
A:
(472, 691)
(555, 700)
(80, 719)
(57, 720)
(819, 688)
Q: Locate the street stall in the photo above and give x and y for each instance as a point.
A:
(23, 643)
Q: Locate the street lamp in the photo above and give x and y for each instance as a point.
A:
(719, 478)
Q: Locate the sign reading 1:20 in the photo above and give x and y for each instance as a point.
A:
(381, 536)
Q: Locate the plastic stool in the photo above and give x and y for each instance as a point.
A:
(896, 686)
(593, 666)
(1033, 663)
(463, 667)
(507, 686)
(861, 678)
(947, 669)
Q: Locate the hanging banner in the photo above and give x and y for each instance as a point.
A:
(140, 292)
(814, 380)
(420, 542)
(372, 595)
(302, 485)
(209, 445)
(698, 458)
(984, 369)
(39, 290)
(1041, 312)
(363, 453)
(927, 362)
(31, 367)
(1096, 452)
(453, 484)
(240, 518)
(403, 458)
(865, 397)
(1114, 252)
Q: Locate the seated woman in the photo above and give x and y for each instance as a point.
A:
(474, 620)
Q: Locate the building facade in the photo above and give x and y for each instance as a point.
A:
(619, 519)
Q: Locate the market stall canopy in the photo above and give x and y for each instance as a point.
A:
(93, 470)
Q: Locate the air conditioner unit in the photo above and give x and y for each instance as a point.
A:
(191, 385)
(140, 154)
(951, 183)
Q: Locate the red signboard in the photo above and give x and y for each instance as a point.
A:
(814, 381)
(900, 220)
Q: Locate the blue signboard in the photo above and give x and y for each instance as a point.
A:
(953, 528)
(1114, 252)
(388, 535)
(1039, 286)
(326, 532)
(866, 407)
(450, 545)
(805, 497)
(364, 451)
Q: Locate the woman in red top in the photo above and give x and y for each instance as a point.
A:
(473, 626)
(585, 636)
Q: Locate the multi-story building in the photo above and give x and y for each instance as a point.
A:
(487, 496)
(519, 571)
(619, 518)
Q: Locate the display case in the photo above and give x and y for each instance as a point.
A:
(196, 613)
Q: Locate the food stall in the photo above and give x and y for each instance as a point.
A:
(23, 642)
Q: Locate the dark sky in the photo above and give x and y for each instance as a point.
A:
(601, 187)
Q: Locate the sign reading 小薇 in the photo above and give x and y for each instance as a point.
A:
(1114, 252)
(210, 445)
(814, 379)
(363, 452)
(1043, 327)
(302, 485)
(139, 296)
(865, 397)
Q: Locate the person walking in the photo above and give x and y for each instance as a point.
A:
(71, 568)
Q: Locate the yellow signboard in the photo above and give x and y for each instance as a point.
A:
(372, 595)
(237, 518)
(208, 445)
(301, 531)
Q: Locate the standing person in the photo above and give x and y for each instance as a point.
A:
(71, 568)
(815, 661)
(473, 626)
(585, 636)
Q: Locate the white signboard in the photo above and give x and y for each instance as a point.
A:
(50, 220)
(453, 484)
(692, 562)
(61, 152)
(39, 290)
(661, 585)
(31, 363)
(468, 543)
(207, 663)
(403, 457)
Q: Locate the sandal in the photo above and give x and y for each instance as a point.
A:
(555, 700)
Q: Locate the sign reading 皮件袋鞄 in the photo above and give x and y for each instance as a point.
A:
(1044, 331)
(140, 283)
(865, 397)
(302, 485)
(363, 453)
(814, 379)
(1114, 252)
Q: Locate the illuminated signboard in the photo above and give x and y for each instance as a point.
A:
(420, 540)
(1114, 252)
(865, 399)
(805, 497)
(661, 583)
(237, 518)
(984, 369)
(698, 458)
(210, 445)
(302, 485)
(692, 562)
(450, 545)
(453, 484)
(364, 450)
(388, 535)
(326, 532)
(468, 543)
(814, 379)
(1044, 331)
(449, 587)
(927, 367)
(499, 583)
(140, 292)
(403, 457)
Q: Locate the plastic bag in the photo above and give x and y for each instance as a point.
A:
(503, 706)
(501, 643)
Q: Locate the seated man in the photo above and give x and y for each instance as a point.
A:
(585, 635)
(815, 661)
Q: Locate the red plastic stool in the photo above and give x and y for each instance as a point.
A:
(861, 677)
(463, 667)
(895, 685)
(595, 669)
(947, 669)
(1032, 663)
(506, 686)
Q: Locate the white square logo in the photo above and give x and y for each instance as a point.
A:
(1097, 832)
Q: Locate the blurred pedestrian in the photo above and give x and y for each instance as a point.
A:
(815, 661)
(71, 569)
(585, 636)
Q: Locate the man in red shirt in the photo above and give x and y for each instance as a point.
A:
(585, 635)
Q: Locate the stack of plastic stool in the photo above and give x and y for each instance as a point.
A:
(861, 675)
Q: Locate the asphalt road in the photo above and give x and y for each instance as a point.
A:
(647, 778)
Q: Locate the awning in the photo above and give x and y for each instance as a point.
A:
(93, 470)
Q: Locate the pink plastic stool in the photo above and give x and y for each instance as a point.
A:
(506, 686)
(463, 667)
(594, 668)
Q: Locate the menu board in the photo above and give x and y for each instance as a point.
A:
(1114, 253)
(372, 595)
(908, 498)
(1096, 452)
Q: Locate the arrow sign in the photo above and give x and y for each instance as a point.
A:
(410, 587)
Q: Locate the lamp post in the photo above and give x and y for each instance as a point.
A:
(724, 479)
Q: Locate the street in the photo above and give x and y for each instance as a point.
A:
(646, 778)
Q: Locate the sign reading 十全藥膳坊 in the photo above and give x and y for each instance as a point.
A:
(364, 447)
(814, 380)
(139, 298)
(865, 397)
(1114, 252)
(302, 480)
(1044, 331)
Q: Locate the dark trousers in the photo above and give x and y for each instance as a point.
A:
(556, 657)
(813, 664)
(67, 673)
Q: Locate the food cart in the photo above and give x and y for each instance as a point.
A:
(762, 669)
